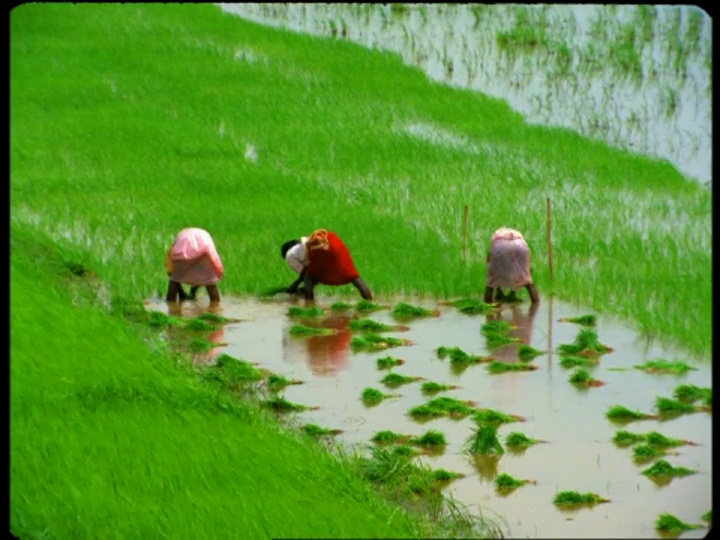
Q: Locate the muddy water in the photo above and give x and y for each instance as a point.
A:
(579, 454)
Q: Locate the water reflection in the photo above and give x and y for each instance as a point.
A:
(486, 466)
(522, 319)
(324, 355)
(635, 76)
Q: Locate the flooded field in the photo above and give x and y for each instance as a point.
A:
(579, 454)
(637, 77)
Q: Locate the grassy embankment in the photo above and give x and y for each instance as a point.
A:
(129, 122)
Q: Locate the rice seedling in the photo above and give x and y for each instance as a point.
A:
(388, 362)
(672, 407)
(586, 344)
(690, 393)
(707, 516)
(403, 310)
(201, 344)
(369, 325)
(618, 413)
(665, 367)
(662, 468)
(458, 356)
(341, 306)
(519, 440)
(373, 396)
(393, 380)
(526, 353)
(442, 475)
(658, 439)
(471, 306)
(644, 452)
(484, 440)
(306, 313)
(367, 306)
(442, 406)
(282, 405)
(583, 377)
(498, 326)
(572, 361)
(276, 383)
(389, 437)
(159, 319)
(496, 367)
(506, 483)
(374, 342)
(198, 325)
(216, 319)
(491, 416)
(431, 387)
(300, 330)
(668, 523)
(625, 438)
(430, 439)
(496, 339)
(317, 431)
(584, 320)
(572, 498)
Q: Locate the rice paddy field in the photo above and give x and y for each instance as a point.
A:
(130, 122)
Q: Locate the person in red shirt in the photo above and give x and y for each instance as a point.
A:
(321, 258)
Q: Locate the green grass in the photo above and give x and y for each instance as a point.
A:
(374, 342)
(584, 320)
(586, 343)
(126, 109)
(305, 313)
(373, 396)
(484, 440)
(318, 431)
(671, 524)
(620, 413)
(663, 468)
(627, 438)
(667, 407)
(389, 362)
(403, 310)
(690, 393)
(442, 406)
(570, 498)
(276, 382)
(112, 438)
(516, 439)
(458, 356)
(471, 306)
(432, 387)
(526, 353)
(300, 330)
(369, 325)
(646, 452)
(572, 361)
(496, 367)
(394, 380)
(430, 439)
(491, 416)
(505, 482)
(388, 437)
(665, 367)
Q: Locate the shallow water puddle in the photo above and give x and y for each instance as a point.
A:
(579, 455)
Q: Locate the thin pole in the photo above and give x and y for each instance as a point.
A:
(465, 228)
(549, 239)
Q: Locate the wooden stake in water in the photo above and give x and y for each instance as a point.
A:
(465, 227)
(549, 238)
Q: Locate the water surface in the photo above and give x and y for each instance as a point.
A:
(579, 454)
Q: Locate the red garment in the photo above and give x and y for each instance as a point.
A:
(334, 265)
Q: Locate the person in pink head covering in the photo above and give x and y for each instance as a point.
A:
(193, 259)
(508, 265)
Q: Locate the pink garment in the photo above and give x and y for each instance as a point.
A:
(195, 259)
(509, 260)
